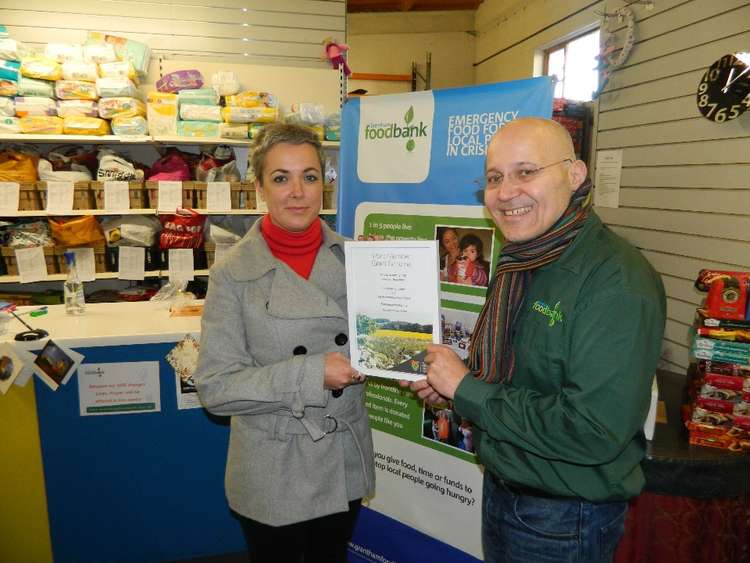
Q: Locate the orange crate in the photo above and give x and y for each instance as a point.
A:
(11, 265)
(137, 195)
(83, 197)
(28, 197)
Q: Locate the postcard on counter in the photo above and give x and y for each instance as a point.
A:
(55, 364)
(11, 366)
(394, 306)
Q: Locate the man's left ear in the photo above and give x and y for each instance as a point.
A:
(577, 174)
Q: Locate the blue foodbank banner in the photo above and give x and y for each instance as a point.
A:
(427, 147)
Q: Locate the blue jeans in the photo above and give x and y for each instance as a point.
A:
(519, 528)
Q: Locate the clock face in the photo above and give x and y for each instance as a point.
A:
(724, 90)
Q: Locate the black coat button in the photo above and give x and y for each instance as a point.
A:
(341, 339)
(299, 350)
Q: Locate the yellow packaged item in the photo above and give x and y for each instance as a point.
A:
(41, 67)
(79, 70)
(76, 231)
(162, 113)
(81, 125)
(246, 99)
(235, 114)
(75, 90)
(118, 69)
(41, 125)
(17, 166)
(233, 130)
(121, 107)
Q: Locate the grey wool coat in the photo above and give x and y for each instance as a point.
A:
(295, 451)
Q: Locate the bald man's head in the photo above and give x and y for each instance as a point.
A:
(547, 131)
(534, 170)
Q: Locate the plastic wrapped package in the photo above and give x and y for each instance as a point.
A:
(136, 125)
(162, 113)
(233, 131)
(225, 82)
(201, 97)
(121, 107)
(118, 69)
(33, 105)
(76, 90)
(249, 115)
(139, 55)
(18, 165)
(41, 67)
(10, 125)
(307, 113)
(12, 50)
(80, 125)
(193, 112)
(115, 87)
(34, 87)
(254, 129)
(99, 53)
(79, 70)
(8, 87)
(41, 125)
(7, 107)
(62, 52)
(246, 99)
(10, 70)
(131, 230)
(333, 127)
(76, 173)
(173, 82)
(208, 129)
(86, 108)
(112, 166)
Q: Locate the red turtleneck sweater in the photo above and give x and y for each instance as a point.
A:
(296, 250)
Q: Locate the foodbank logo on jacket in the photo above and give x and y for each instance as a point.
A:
(395, 138)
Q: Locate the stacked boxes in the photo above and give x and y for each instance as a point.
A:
(720, 391)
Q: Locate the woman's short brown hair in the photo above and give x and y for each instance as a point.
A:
(276, 133)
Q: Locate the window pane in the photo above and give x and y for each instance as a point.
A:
(581, 76)
(556, 67)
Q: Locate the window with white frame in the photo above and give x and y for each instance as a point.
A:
(574, 64)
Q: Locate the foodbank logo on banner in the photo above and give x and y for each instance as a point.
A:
(395, 138)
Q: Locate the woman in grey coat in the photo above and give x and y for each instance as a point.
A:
(274, 357)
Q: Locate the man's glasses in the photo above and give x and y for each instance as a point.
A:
(518, 176)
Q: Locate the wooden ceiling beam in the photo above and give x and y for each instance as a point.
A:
(353, 6)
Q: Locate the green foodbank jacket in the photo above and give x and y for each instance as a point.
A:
(587, 343)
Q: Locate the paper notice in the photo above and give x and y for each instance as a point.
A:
(59, 197)
(170, 196)
(31, 264)
(217, 196)
(9, 192)
(85, 263)
(116, 196)
(132, 261)
(181, 264)
(607, 180)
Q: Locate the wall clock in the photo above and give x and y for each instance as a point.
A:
(724, 90)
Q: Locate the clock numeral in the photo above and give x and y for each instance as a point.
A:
(734, 111)
(703, 101)
(721, 115)
(713, 108)
(703, 87)
(713, 74)
(746, 102)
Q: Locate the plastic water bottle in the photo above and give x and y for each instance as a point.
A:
(75, 303)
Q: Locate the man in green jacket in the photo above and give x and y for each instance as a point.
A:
(561, 360)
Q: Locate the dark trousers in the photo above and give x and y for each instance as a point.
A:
(321, 540)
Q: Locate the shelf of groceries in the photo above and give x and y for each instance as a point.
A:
(133, 140)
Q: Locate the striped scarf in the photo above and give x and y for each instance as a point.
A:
(491, 356)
